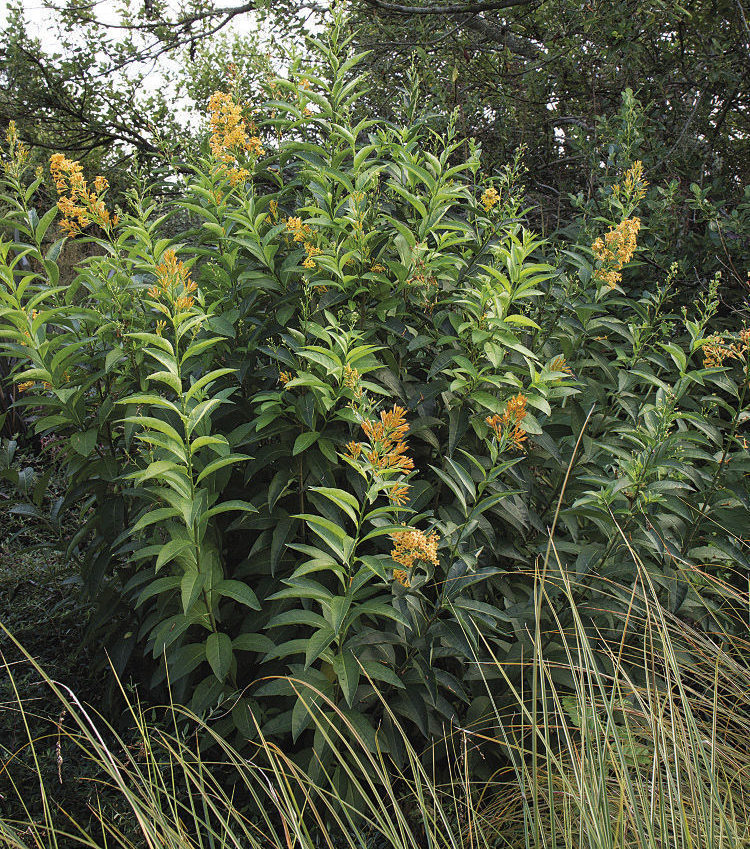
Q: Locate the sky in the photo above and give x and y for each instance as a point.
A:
(42, 24)
(38, 16)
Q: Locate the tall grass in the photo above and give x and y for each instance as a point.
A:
(638, 751)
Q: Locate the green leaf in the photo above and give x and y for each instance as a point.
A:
(190, 588)
(304, 441)
(339, 607)
(334, 536)
(156, 587)
(301, 717)
(317, 644)
(344, 500)
(297, 617)
(239, 592)
(175, 548)
(185, 660)
(215, 465)
(253, 642)
(219, 654)
(84, 443)
(229, 507)
(347, 671)
(380, 672)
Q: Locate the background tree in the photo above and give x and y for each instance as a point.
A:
(587, 87)
(546, 73)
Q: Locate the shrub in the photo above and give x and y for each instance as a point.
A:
(320, 436)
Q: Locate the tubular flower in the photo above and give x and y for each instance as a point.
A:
(172, 274)
(715, 350)
(387, 446)
(412, 545)
(353, 450)
(184, 303)
(399, 494)
(401, 576)
(311, 252)
(351, 378)
(284, 377)
(299, 231)
(559, 363)
(19, 153)
(509, 423)
(77, 204)
(173, 282)
(634, 185)
(27, 384)
(489, 199)
(616, 250)
(229, 136)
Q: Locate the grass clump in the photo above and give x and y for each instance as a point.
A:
(654, 757)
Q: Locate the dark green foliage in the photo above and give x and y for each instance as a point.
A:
(225, 523)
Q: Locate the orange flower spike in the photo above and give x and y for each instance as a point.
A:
(399, 494)
(353, 449)
(489, 199)
(401, 576)
(395, 418)
(559, 363)
(516, 408)
(75, 202)
(412, 545)
(496, 423)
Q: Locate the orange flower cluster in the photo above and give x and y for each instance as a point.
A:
(410, 546)
(715, 350)
(387, 446)
(77, 204)
(616, 250)
(399, 494)
(489, 199)
(229, 136)
(27, 384)
(353, 449)
(311, 251)
(634, 186)
(19, 153)
(509, 423)
(173, 281)
(285, 377)
(351, 379)
(559, 363)
(386, 450)
(401, 576)
(299, 231)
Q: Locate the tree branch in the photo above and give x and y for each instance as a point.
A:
(466, 8)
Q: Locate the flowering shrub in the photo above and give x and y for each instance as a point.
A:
(235, 403)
